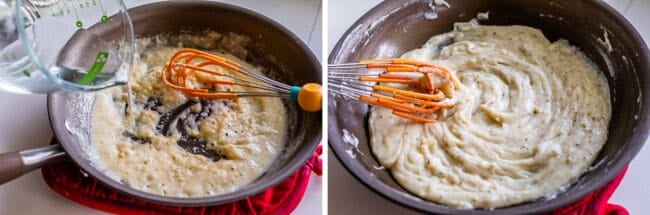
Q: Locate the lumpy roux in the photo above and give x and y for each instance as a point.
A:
(248, 132)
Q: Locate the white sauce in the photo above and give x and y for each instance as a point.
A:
(483, 16)
(433, 5)
(605, 40)
(352, 140)
(248, 132)
(531, 116)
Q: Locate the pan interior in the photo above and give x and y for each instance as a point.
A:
(393, 28)
(288, 61)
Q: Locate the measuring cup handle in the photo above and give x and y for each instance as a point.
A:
(16, 164)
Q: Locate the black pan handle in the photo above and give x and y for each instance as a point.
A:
(16, 164)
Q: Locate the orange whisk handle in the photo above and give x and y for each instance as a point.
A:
(309, 96)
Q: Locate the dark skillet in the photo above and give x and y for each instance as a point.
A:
(271, 46)
(581, 22)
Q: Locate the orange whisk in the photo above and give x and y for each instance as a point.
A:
(429, 90)
(188, 63)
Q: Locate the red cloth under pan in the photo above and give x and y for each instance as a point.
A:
(596, 202)
(66, 179)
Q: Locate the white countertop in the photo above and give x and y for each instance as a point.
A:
(343, 188)
(24, 123)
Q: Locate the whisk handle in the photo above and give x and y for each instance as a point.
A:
(309, 96)
(295, 90)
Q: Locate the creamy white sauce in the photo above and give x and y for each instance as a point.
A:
(531, 116)
(353, 141)
(433, 4)
(380, 167)
(483, 16)
(605, 40)
(248, 132)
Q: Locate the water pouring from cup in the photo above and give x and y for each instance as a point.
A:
(64, 45)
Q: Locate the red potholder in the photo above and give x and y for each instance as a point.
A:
(66, 179)
(596, 202)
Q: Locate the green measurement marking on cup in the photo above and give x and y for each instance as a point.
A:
(104, 17)
(52, 11)
(74, 7)
(9, 57)
(81, 4)
(97, 67)
(66, 7)
(60, 9)
(79, 24)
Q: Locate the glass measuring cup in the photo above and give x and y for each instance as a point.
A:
(64, 45)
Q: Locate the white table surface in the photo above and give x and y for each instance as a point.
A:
(343, 188)
(24, 123)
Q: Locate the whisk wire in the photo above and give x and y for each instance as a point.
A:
(185, 64)
(257, 84)
(359, 81)
(181, 68)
